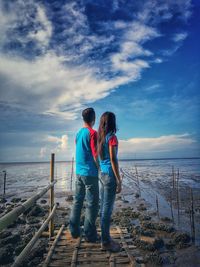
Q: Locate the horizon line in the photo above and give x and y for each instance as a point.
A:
(132, 159)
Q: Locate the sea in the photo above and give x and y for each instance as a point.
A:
(25, 179)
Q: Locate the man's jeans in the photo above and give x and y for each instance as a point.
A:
(108, 187)
(86, 186)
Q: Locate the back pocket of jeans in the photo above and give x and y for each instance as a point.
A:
(106, 179)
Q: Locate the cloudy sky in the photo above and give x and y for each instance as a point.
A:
(139, 59)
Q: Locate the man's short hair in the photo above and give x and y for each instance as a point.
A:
(88, 115)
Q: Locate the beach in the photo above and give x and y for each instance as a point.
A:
(148, 206)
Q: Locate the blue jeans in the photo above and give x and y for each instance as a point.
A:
(86, 186)
(108, 187)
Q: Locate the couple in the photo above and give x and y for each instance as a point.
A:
(96, 152)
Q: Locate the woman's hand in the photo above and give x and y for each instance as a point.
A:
(119, 187)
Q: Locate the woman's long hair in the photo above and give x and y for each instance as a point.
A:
(107, 125)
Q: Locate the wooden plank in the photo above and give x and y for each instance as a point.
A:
(126, 248)
(112, 260)
(50, 253)
(75, 253)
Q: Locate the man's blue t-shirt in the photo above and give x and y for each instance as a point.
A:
(86, 150)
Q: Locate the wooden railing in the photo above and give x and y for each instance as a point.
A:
(11, 216)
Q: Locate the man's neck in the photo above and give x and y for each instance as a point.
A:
(87, 125)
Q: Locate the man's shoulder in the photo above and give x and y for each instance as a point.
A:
(92, 131)
(83, 133)
(83, 130)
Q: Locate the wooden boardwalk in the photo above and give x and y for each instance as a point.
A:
(65, 251)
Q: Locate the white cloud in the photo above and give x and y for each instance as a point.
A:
(143, 107)
(43, 33)
(64, 142)
(115, 5)
(156, 11)
(168, 143)
(131, 47)
(58, 143)
(152, 88)
(55, 82)
(6, 23)
(43, 152)
(179, 37)
(47, 85)
(29, 16)
(158, 60)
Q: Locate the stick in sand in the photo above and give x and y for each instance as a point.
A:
(4, 184)
(173, 177)
(171, 207)
(136, 171)
(177, 197)
(72, 173)
(157, 207)
(122, 176)
(192, 216)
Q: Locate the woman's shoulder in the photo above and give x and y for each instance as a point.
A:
(112, 139)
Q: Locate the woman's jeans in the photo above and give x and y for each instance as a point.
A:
(86, 186)
(108, 187)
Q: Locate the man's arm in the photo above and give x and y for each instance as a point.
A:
(93, 145)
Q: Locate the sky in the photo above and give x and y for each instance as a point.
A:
(138, 59)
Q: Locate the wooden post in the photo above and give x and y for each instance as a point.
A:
(51, 204)
(192, 216)
(4, 184)
(177, 179)
(173, 177)
(72, 173)
(171, 207)
(177, 196)
(136, 171)
(157, 206)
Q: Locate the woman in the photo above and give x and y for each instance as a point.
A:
(110, 180)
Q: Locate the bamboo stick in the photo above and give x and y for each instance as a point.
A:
(4, 184)
(25, 252)
(171, 207)
(138, 184)
(11, 216)
(177, 197)
(173, 177)
(72, 173)
(75, 253)
(51, 204)
(192, 216)
(126, 248)
(157, 207)
(50, 252)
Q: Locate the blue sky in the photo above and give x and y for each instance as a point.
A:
(139, 59)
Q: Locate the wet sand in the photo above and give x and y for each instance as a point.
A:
(159, 240)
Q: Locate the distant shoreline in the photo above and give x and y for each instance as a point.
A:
(59, 161)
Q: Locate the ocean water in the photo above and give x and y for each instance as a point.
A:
(25, 179)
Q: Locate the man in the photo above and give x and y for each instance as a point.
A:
(86, 179)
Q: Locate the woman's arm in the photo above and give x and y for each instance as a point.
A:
(115, 166)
